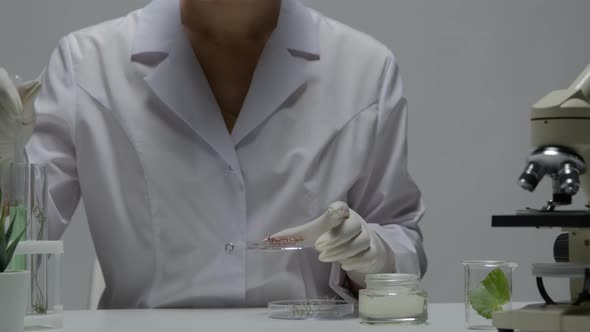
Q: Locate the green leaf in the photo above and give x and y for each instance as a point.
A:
(3, 238)
(11, 228)
(7, 247)
(497, 284)
(3, 262)
(491, 294)
(12, 247)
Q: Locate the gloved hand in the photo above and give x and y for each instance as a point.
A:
(17, 116)
(341, 235)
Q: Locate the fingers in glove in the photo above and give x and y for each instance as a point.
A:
(333, 217)
(338, 211)
(339, 235)
(346, 250)
(9, 98)
(363, 262)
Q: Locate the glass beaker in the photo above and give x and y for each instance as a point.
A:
(488, 288)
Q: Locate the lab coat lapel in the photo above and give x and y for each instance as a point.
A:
(277, 76)
(281, 68)
(180, 83)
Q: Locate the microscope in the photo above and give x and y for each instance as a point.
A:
(560, 135)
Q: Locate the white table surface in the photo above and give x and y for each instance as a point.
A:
(442, 318)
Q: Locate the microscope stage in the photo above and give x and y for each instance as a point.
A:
(525, 218)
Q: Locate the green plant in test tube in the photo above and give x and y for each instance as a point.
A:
(28, 219)
(40, 304)
(19, 215)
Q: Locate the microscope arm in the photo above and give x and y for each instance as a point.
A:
(582, 83)
(560, 102)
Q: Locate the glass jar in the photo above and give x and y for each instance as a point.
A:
(393, 298)
(476, 271)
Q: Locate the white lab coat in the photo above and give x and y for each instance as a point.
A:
(126, 120)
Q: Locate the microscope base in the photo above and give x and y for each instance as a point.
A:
(544, 318)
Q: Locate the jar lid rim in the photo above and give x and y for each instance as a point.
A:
(392, 277)
(489, 263)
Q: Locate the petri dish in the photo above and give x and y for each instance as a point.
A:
(311, 309)
(279, 245)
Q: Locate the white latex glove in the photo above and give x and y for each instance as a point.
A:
(16, 114)
(341, 235)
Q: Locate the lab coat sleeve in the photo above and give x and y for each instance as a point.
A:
(387, 197)
(52, 140)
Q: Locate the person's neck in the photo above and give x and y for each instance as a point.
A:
(230, 22)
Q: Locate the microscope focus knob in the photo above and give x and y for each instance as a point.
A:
(561, 249)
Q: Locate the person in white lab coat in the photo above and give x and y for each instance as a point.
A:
(191, 127)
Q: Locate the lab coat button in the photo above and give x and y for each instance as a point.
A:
(229, 248)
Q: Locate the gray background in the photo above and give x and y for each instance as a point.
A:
(471, 69)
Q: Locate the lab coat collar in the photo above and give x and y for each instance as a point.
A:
(296, 29)
(159, 26)
(178, 80)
